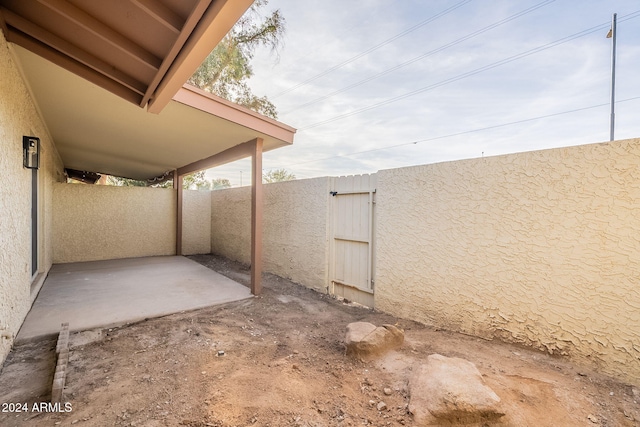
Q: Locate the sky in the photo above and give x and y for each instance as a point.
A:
(378, 84)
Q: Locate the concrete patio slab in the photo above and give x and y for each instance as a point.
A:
(107, 293)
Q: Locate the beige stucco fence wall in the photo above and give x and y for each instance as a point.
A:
(231, 223)
(539, 248)
(295, 228)
(96, 222)
(196, 222)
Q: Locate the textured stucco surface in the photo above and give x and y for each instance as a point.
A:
(95, 222)
(295, 230)
(539, 248)
(18, 117)
(294, 234)
(230, 223)
(196, 222)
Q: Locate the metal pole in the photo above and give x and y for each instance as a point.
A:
(613, 76)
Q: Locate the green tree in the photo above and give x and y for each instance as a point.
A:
(220, 183)
(124, 182)
(227, 69)
(277, 175)
(196, 181)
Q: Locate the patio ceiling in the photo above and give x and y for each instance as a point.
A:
(95, 130)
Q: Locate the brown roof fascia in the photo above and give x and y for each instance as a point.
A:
(187, 28)
(216, 22)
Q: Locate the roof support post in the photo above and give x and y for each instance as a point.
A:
(177, 185)
(256, 216)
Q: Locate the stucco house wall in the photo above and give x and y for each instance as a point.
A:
(295, 228)
(19, 117)
(538, 248)
(95, 222)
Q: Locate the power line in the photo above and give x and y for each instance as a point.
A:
(460, 133)
(471, 73)
(425, 55)
(449, 80)
(372, 49)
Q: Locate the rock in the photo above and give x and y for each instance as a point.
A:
(387, 391)
(451, 390)
(366, 341)
(381, 406)
(592, 419)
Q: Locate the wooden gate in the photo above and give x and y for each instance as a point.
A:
(352, 246)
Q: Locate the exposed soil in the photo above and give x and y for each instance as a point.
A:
(284, 365)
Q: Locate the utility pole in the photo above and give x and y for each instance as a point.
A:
(612, 36)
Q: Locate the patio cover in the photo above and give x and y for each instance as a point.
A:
(91, 64)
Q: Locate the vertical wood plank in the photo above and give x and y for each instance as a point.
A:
(352, 236)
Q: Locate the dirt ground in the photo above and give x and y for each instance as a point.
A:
(284, 365)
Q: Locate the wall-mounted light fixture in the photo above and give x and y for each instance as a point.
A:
(31, 152)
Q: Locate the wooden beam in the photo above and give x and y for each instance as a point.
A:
(256, 217)
(186, 30)
(107, 34)
(232, 154)
(216, 22)
(177, 184)
(162, 14)
(71, 50)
